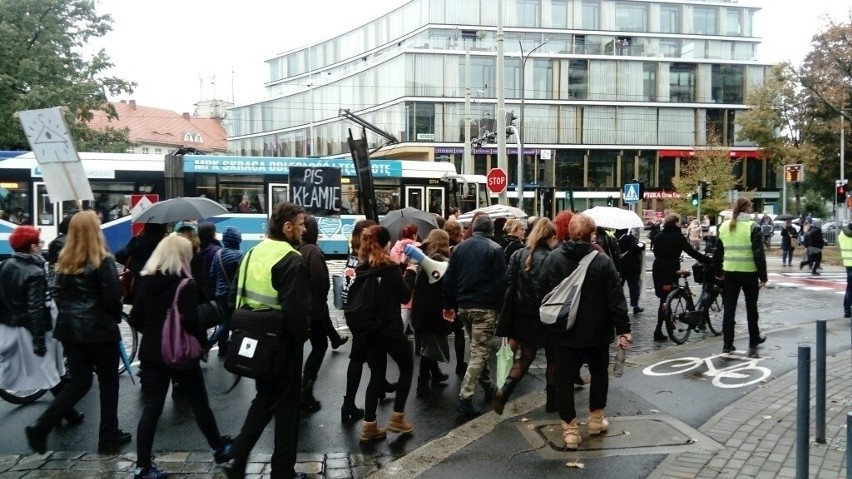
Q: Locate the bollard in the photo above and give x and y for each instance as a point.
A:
(803, 412)
(819, 412)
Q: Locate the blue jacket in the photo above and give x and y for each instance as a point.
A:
(476, 277)
(222, 279)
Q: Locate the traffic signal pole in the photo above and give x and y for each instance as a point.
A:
(502, 159)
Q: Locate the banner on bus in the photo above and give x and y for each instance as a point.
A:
(316, 189)
(56, 154)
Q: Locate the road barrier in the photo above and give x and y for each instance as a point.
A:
(803, 412)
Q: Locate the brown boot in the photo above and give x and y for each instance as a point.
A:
(571, 434)
(597, 422)
(397, 423)
(371, 432)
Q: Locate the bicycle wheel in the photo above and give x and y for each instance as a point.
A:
(713, 313)
(678, 305)
(22, 397)
(671, 367)
(130, 340)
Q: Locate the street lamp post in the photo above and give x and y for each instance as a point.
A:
(520, 129)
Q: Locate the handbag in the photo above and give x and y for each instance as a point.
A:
(127, 280)
(337, 290)
(180, 349)
(505, 359)
(255, 340)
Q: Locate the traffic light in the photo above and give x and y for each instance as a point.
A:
(510, 121)
(693, 198)
(841, 193)
(704, 188)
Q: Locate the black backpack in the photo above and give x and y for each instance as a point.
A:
(364, 308)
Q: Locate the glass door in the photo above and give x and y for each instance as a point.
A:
(414, 197)
(437, 204)
(278, 192)
(46, 213)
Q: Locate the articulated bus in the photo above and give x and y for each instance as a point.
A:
(248, 187)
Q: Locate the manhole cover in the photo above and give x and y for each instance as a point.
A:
(627, 435)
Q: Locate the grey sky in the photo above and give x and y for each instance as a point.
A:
(173, 48)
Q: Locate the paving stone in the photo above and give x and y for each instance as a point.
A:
(337, 463)
(57, 465)
(362, 460)
(172, 457)
(196, 467)
(360, 472)
(255, 468)
(12, 474)
(337, 455)
(310, 457)
(259, 457)
(338, 473)
(73, 455)
(309, 467)
(27, 465)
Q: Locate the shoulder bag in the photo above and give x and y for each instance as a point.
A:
(180, 349)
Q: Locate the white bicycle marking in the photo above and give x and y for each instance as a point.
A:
(720, 376)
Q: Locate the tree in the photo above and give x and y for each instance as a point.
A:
(713, 165)
(43, 66)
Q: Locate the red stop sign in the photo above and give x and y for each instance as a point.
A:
(497, 180)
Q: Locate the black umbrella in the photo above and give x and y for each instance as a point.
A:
(785, 217)
(179, 209)
(396, 219)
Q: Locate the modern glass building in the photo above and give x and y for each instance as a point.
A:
(621, 89)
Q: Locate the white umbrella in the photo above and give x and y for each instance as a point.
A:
(615, 218)
(494, 211)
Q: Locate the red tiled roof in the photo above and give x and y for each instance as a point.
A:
(164, 127)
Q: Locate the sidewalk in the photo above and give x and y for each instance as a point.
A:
(758, 433)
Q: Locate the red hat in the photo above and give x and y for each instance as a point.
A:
(23, 237)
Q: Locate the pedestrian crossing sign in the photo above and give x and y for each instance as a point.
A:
(631, 193)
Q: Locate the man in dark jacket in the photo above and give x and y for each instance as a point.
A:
(277, 395)
(631, 265)
(815, 243)
(473, 285)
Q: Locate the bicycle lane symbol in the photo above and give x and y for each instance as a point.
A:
(745, 372)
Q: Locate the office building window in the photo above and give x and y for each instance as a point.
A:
(704, 20)
(670, 47)
(649, 81)
(569, 168)
(527, 11)
(669, 19)
(647, 164)
(754, 173)
(481, 72)
(727, 83)
(542, 80)
(602, 164)
(631, 17)
(682, 83)
(512, 78)
(667, 172)
(578, 79)
(591, 15)
(559, 13)
(733, 25)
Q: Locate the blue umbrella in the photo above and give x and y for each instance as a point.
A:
(126, 360)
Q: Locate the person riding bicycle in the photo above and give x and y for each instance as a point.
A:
(669, 244)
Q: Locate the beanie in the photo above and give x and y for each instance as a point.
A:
(232, 237)
(484, 224)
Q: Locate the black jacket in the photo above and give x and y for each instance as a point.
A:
(89, 304)
(396, 292)
(476, 276)
(756, 248)
(137, 250)
(814, 238)
(603, 308)
(426, 314)
(669, 244)
(511, 243)
(23, 294)
(149, 313)
(318, 274)
(788, 232)
(631, 255)
(54, 248)
(528, 291)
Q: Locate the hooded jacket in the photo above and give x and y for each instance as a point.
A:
(89, 304)
(24, 294)
(149, 313)
(226, 263)
(603, 309)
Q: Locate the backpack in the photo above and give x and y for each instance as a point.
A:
(180, 349)
(363, 308)
(558, 310)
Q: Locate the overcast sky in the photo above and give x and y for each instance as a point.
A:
(174, 48)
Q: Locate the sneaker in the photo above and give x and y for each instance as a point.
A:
(223, 454)
(466, 408)
(728, 349)
(816, 273)
(760, 340)
(637, 309)
(660, 337)
(149, 473)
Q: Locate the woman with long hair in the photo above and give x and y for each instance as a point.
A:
(741, 260)
(165, 271)
(89, 301)
(525, 329)
(427, 316)
(390, 339)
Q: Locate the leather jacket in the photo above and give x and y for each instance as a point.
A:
(528, 292)
(23, 297)
(89, 304)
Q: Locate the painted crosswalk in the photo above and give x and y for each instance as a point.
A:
(835, 282)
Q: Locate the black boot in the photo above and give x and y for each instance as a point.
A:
(308, 401)
(661, 318)
(502, 395)
(37, 436)
(423, 376)
(349, 411)
(74, 417)
(438, 378)
(339, 341)
(550, 405)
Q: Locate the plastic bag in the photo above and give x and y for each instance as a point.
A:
(505, 358)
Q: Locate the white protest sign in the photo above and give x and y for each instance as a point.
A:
(54, 149)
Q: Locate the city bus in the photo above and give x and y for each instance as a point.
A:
(117, 179)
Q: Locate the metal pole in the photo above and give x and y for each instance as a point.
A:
(842, 155)
(803, 412)
(467, 163)
(784, 193)
(820, 383)
(502, 159)
(848, 442)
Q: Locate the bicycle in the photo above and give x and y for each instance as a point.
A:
(129, 341)
(748, 370)
(684, 315)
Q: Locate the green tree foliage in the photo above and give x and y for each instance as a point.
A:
(713, 165)
(42, 66)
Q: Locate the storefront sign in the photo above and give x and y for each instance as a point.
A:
(281, 166)
(660, 195)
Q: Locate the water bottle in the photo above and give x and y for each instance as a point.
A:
(618, 367)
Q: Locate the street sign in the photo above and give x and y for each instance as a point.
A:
(631, 193)
(497, 180)
(138, 204)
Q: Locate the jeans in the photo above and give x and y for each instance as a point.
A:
(83, 359)
(787, 256)
(479, 324)
(568, 362)
(633, 287)
(154, 389)
(748, 283)
(847, 300)
(378, 347)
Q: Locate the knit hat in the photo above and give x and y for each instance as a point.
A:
(484, 224)
(232, 237)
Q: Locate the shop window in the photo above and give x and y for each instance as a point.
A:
(602, 166)
(569, 168)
